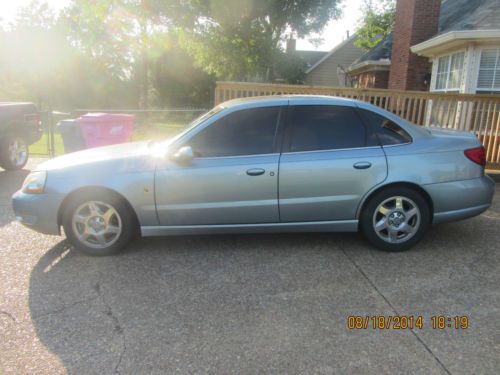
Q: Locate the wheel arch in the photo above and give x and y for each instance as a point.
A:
(97, 190)
(406, 184)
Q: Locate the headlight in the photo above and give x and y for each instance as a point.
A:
(34, 183)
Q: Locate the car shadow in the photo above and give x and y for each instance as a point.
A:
(86, 308)
(10, 182)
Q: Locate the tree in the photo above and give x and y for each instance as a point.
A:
(39, 64)
(238, 39)
(32, 51)
(121, 35)
(174, 79)
(376, 23)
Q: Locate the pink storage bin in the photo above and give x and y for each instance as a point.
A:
(103, 129)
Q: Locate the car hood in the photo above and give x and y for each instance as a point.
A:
(125, 157)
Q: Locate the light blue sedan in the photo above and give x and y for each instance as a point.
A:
(274, 164)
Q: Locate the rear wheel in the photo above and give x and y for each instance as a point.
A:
(99, 225)
(14, 152)
(395, 219)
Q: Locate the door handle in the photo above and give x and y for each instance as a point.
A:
(362, 165)
(255, 171)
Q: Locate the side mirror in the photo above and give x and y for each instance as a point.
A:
(184, 155)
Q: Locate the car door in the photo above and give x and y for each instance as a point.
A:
(233, 178)
(330, 161)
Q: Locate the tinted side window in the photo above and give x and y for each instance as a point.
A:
(325, 127)
(246, 132)
(389, 133)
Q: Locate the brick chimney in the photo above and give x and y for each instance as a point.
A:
(416, 21)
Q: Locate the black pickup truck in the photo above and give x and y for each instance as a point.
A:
(19, 127)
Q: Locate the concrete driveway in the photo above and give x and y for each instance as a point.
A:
(247, 304)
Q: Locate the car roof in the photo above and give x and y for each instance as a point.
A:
(256, 101)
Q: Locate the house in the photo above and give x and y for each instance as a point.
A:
(294, 63)
(443, 46)
(309, 58)
(329, 70)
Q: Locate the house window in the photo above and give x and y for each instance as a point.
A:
(489, 71)
(450, 72)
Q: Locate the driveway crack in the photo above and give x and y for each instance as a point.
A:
(117, 326)
(65, 307)
(394, 310)
(8, 314)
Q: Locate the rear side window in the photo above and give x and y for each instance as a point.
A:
(389, 133)
(325, 127)
(246, 132)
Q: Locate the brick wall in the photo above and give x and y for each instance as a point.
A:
(376, 79)
(416, 21)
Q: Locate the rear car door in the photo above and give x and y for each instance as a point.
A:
(330, 160)
(233, 178)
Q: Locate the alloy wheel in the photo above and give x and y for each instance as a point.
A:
(97, 224)
(396, 219)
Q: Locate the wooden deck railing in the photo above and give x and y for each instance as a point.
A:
(475, 113)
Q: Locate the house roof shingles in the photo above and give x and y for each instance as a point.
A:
(455, 15)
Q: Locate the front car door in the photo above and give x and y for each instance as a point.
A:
(233, 178)
(330, 161)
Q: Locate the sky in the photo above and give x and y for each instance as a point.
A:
(333, 34)
(8, 8)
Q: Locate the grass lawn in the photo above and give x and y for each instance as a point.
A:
(151, 131)
(41, 147)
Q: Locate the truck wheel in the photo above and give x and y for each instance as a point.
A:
(14, 152)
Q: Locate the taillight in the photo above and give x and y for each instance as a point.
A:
(477, 155)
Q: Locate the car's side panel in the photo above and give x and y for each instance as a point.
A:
(426, 168)
(325, 185)
(218, 191)
(132, 178)
(423, 164)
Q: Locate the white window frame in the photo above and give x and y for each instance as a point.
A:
(478, 89)
(448, 73)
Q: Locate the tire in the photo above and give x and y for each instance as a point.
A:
(14, 152)
(388, 227)
(99, 224)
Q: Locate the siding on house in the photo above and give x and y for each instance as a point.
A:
(325, 72)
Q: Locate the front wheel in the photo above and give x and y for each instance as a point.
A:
(395, 219)
(99, 226)
(14, 152)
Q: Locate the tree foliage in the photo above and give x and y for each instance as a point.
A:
(376, 23)
(39, 63)
(129, 53)
(238, 40)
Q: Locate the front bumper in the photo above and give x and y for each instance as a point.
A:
(38, 211)
(459, 200)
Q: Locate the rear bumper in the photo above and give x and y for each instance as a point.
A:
(37, 211)
(459, 200)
